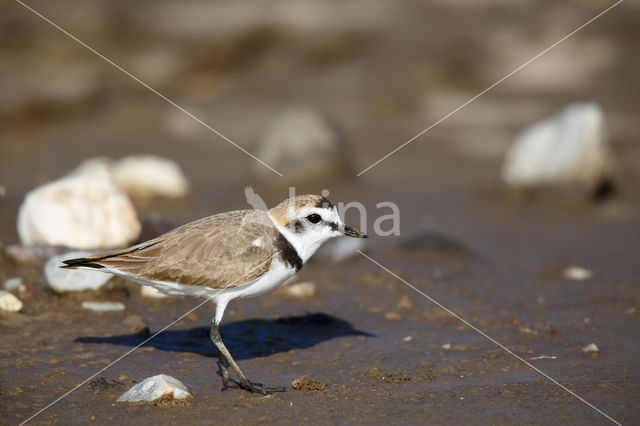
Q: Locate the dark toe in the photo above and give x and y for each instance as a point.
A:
(265, 390)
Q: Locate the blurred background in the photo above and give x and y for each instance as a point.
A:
(377, 72)
(320, 91)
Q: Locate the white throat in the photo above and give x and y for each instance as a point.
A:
(304, 245)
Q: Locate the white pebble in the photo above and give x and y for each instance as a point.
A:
(154, 388)
(446, 346)
(591, 347)
(8, 302)
(407, 338)
(303, 289)
(543, 357)
(93, 164)
(82, 211)
(577, 273)
(14, 283)
(103, 306)
(148, 291)
(148, 176)
(61, 280)
(570, 148)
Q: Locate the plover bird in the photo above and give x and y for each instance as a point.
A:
(226, 256)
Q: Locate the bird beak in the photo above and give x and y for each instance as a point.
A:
(350, 231)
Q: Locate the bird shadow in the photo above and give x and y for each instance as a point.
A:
(247, 339)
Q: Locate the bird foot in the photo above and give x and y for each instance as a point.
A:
(260, 388)
(230, 384)
(251, 387)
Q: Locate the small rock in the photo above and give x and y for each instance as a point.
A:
(446, 346)
(103, 306)
(569, 149)
(535, 358)
(83, 211)
(407, 338)
(61, 280)
(308, 384)
(9, 302)
(303, 289)
(155, 389)
(148, 291)
(577, 273)
(14, 283)
(143, 176)
(591, 347)
(301, 143)
(148, 176)
(94, 164)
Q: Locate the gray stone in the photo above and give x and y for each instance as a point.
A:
(61, 280)
(570, 149)
(14, 283)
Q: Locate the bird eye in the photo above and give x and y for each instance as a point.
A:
(314, 218)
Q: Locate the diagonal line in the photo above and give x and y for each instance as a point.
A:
(491, 87)
(145, 341)
(149, 87)
(468, 324)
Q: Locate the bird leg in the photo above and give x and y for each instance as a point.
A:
(226, 358)
(226, 379)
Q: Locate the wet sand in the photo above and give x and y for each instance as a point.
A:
(374, 342)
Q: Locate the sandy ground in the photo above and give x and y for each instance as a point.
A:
(374, 344)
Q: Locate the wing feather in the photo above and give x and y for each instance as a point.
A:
(215, 251)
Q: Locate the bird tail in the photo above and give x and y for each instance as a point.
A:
(93, 262)
(86, 262)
